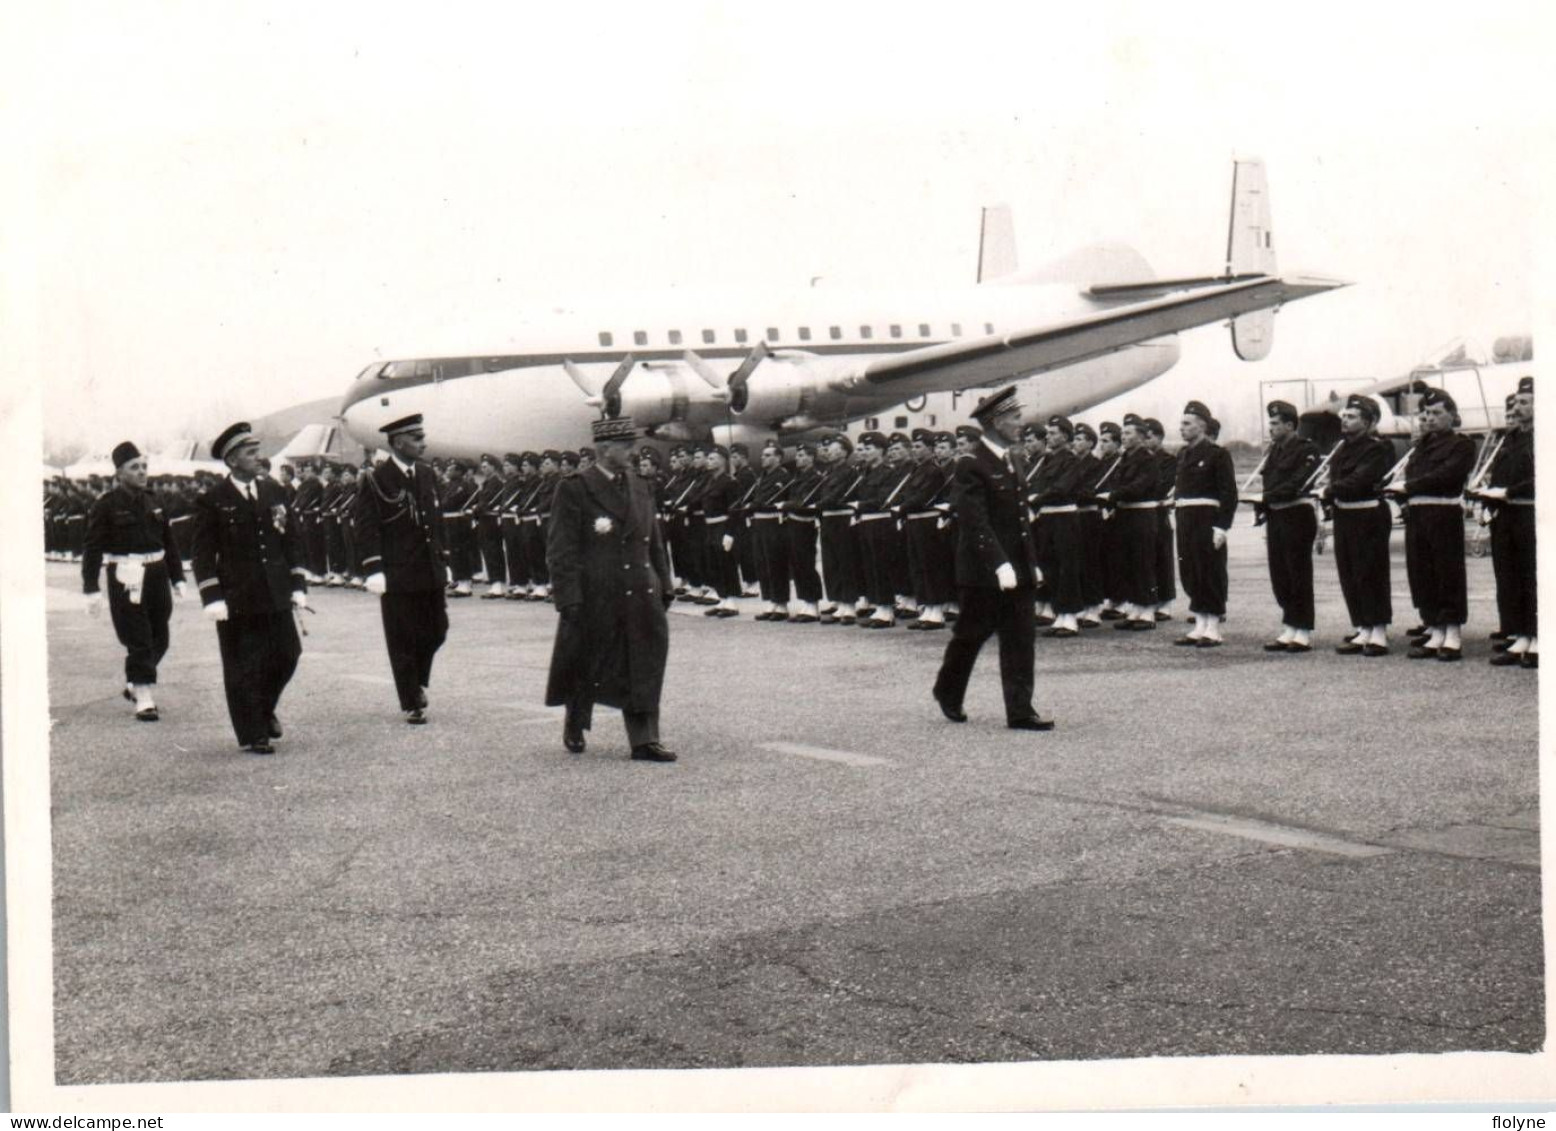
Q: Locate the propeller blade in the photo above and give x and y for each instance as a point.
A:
(612, 391)
(739, 393)
(592, 397)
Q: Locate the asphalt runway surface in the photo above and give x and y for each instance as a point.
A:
(1216, 852)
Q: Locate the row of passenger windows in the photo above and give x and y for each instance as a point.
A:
(741, 337)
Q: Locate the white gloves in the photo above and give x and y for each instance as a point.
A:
(376, 584)
(1218, 537)
(728, 542)
(299, 599)
(179, 589)
(1006, 575)
(1493, 492)
(94, 604)
(216, 611)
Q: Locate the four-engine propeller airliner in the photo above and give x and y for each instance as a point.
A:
(1077, 332)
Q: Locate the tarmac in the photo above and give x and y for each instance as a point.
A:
(1216, 852)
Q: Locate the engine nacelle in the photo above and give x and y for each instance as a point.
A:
(658, 393)
(788, 385)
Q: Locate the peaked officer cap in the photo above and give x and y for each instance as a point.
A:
(234, 437)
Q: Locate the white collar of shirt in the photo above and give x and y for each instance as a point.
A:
(408, 468)
(249, 490)
(1001, 454)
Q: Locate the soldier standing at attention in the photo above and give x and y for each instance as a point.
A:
(996, 569)
(1291, 525)
(612, 582)
(839, 550)
(1362, 524)
(1166, 544)
(248, 564)
(800, 517)
(457, 534)
(1432, 485)
(133, 534)
(1510, 492)
(1206, 503)
(402, 553)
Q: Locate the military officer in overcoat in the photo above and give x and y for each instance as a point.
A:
(249, 567)
(996, 568)
(133, 534)
(611, 582)
(400, 533)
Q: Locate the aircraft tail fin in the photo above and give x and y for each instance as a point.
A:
(996, 243)
(1250, 250)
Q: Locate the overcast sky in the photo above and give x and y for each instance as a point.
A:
(239, 205)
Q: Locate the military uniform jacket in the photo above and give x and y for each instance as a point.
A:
(486, 496)
(306, 501)
(922, 489)
(1513, 467)
(988, 500)
(456, 498)
(718, 495)
(248, 555)
(1205, 472)
(799, 496)
(1042, 484)
(127, 521)
(1073, 484)
(1356, 472)
(1287, 468)
(769, 490)
(607, 558)
(1136, 479)
(840, 487)
(874, 487)
(1166, 472)
(397, 530)
(1439, 465)
(545, 494)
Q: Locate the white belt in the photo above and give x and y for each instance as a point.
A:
(530, 518)
(1149, 506)
(133, 559)
(1434, 501)
(1288, 506)
(1519, 502)
(873, 517)
(801, 518)
(845, 513)
(1360, 505)
(1087, 510)
(766, 516)
(924, 514)
(1067, 508)
(453, 514)
(714, 520)
(1198, 503)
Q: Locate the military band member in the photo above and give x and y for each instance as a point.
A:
(763, 506)
(1166, 540)
(1291, 526)
(801, 518)
(130, 531)
(839, 547)
(398, 528)
(613, 586)
(1510, 495)
(1362, 525)
(1431, 484)
(458, 535)
(1206, 503)
(248, 565)
(996, 569)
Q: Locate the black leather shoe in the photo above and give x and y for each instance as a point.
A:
(715, 612)
(147, 715)
(828, 618)
(726, 612)
(274, 725)
(1448, 655)
(1061, 633)
(1036, 722)
(1529, 660)
(1276, 646)
(1161, 616)
(1351, 648)
(955, 714)
(1422, 652)
(416, 716)
(129, 696)
(1187, 641)
(929, 625)
(573, 739)
(1375, 649)
(1112, 614)
(652, 752)
(1044, 622)
(1207, 642)
(1089, 622)
(1507, 659)
(263, 747)
(1418, 630)
(1295, 647)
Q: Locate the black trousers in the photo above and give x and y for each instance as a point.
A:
(142, 628)
(1361, 558)
(1513, 561)
(1201, 566)
(839, 561)
(875, 547)
(313, 545)
(259, 654)
(772, 558)
(535, 551)
(694, 571)
(335, 546)
(489, 537)
(1093, 587)
(1010, 614)
(897, 560)
(642, 726)
(1063, 556)
(1138, 533)
(747, 549)
(720, 567)
(800, 538)
(1166, 557)
(513, 551)
(415, 626)
(1292, 531)
(1434, 563)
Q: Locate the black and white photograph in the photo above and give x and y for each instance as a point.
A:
(943, 559)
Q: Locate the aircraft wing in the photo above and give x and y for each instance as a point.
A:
(995, 358)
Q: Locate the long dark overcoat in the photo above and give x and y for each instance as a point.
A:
(607, 556)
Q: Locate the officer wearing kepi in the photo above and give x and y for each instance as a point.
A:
(248, 564)
(401, 542)
(130, 531)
